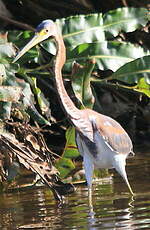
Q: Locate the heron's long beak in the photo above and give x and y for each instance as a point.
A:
(34, 41)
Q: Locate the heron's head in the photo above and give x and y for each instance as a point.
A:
(43, 31)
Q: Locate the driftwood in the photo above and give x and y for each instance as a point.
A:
(34, 155)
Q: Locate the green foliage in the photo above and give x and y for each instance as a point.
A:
(91, 39)
(81, 77)
(12, 90)
(100, 27)
(70, 150)
(143, 87)
(65, 164)
(109, 55)
(132, 72)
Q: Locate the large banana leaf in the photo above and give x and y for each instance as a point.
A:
(136, 73)
(124, 19)
(93, 27)
(99, 27)
(82, 28)
(109, 55)
(133, 71)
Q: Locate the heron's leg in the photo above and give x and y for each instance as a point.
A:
(89, 168)
(87, 162)
(90, 197)
(119, 165)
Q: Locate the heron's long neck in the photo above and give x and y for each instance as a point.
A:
(67, 103)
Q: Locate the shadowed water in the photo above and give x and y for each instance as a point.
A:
(114, 208)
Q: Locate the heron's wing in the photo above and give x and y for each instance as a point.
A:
(113, 134)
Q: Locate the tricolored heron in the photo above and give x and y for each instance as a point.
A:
(101, 140)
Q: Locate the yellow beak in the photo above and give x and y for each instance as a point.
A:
(34, 41)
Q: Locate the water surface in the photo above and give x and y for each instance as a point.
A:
(114, 208)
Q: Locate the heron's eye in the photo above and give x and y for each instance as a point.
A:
(46, 30)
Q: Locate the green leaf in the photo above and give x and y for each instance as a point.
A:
(36, 116)
(143, 87)
(28, 104)
(10, 79)
(42, 101)
(109, 55)
(124, 19)
(64, 166)
(132, 72)
(81, 83)
(70, 150)
(148, 14)
(82, 28)
(90, 28)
